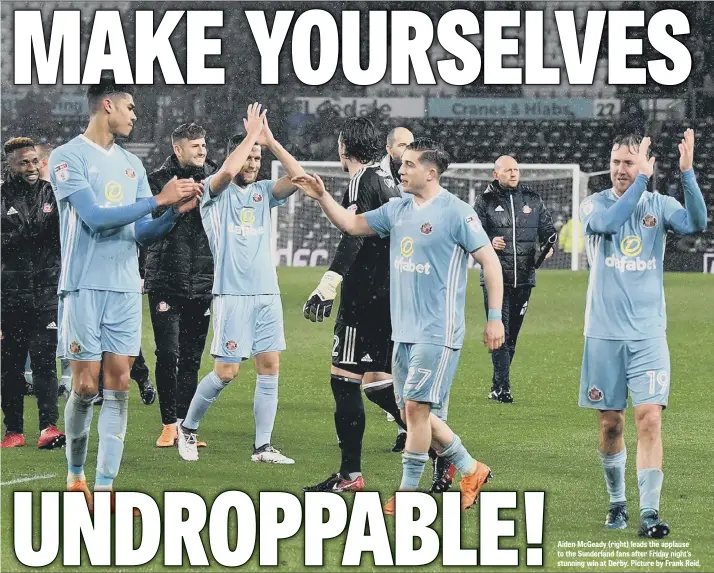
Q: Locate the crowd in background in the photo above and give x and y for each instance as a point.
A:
(312, 137)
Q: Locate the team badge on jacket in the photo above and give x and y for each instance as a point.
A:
(527, 210)
(130, 173)
(47, 208)
(426, 229)
(257, 197)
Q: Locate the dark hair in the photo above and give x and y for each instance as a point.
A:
(234, 142)
(15, 143)
(188, 131)
(361, 139)
(106, 87)
(631, 141)
(431, 152)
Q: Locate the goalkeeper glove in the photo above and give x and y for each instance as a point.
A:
(319, 305)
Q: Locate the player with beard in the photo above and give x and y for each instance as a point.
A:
(626, 352)
(30, 273)
(247, 309)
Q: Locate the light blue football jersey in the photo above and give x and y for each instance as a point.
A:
(105, 260)
(625, 297)
(429, 249)
(237, 223)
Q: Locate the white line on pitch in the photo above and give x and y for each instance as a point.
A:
(26, 479)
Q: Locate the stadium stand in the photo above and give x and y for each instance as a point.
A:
(660, 111)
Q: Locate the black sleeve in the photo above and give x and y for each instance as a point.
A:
(480, 208)
(362, 195)
(156, 185)
(545, 224)
(14, 233)
(142, 261)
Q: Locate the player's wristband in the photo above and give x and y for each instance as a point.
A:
(494, 314)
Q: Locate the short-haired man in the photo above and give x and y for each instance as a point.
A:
(30, 273)
(247, 309)
(105, 206)
(397, 141)
(626, 352)
(519, 226)
(431, 233)
(178, 278)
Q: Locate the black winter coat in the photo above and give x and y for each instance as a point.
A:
(181, 263)
(520, 217)
(31, 259)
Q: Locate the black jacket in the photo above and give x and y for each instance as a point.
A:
(181, 263)
(520, 217)
(31, 258)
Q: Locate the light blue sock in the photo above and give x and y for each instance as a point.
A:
(443, 412)
(265, 407)
(614, 468)
(650, 481)
(412, 469)
(112, 429)
(206, 394)
(456, 453)
(78, 412)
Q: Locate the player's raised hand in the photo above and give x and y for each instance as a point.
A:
(254, 121)
(645, 164)
(266, 136)
(176, 191)
(311, 185)
(494, 335)
(686, 150)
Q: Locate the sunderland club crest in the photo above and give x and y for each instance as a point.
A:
(595, 394)
(649, 221)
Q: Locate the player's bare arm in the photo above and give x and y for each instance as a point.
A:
(344, 220)
(494, 333)
(693, 217)
(283, 187)
(234, 162)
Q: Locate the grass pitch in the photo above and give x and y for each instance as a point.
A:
(543, 442)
